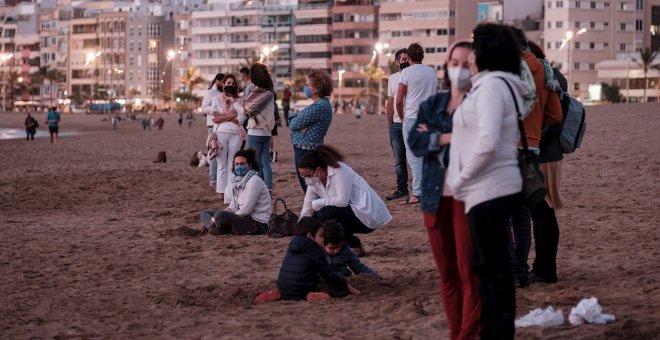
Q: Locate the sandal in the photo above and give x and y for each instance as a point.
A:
(410, 200)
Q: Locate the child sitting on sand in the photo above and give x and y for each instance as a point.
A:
(304, 266)
(339, 254)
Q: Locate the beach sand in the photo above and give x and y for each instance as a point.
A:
(99, 242)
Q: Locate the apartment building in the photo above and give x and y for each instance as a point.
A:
(8, 28)
(313, 34)
(580, 34)
(53, 33)
(183, 37)
(277, 38)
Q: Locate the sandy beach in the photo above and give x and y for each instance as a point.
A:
(99, 242)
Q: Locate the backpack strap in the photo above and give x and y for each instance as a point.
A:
(521, 126)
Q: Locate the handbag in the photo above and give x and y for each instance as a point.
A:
(533, 185)
(280, 225)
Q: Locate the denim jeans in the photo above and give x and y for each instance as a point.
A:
(415, 163)
(489, 226)
(213, 164)
(261, 145)
(520, 240)
(298, 154)
(399, 150)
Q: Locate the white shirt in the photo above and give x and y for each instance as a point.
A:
(345, 187)
(392, 91)
(227, 127)
(422, 83)
(253, 201)
(483, 163)
(207, 102)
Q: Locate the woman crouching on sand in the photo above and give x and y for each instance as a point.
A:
(444, 217)
(336, 192)
(250, 205)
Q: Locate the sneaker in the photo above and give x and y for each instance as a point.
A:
(217, 231)
(533, 277)
(271, 296)
(395, 195)
(317, 296)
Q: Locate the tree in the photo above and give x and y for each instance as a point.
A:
(12, 78)
(611, 93)
(192, 79)
(647, 57)
(53, 76)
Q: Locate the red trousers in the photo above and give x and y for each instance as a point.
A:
(449, 236)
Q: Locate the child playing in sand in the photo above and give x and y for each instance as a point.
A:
(339, 254)
(303, 267)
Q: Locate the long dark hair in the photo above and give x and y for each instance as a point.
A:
(219, 76)
(260, 77)
(322, 157)
(250, 155)
(235, 92)
(496, 48)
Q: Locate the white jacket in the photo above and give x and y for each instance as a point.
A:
(253, 201)
(207, 102)
(483, 161)
(344, 186)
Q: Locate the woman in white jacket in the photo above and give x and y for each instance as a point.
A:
(250, 204)
(213, 91)
(483, 169)
(337, 192)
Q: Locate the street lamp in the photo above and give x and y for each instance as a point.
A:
(170, 56)
(341, 73)
(379, 49)
(89, 58)
(4, 57)
(568, 36)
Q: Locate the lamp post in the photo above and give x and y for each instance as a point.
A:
(341, 73)
(4, 57)
(170, 56)
(92, 57)
(379, 49)
(567, 41)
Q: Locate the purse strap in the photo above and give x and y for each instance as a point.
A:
(521, 126)
(275, 205)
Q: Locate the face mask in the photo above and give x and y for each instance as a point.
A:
(404, 65)
(459, 77)
(311, 181)
(219, 87)
(308, 91)
(241, 170)
(230, 89)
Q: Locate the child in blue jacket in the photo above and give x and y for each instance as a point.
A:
(339, 254)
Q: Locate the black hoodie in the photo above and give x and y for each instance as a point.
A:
(302, 269)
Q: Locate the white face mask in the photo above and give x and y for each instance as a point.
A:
(459, 77)
(311, 181)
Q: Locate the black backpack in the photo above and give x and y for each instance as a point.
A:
(574, 121)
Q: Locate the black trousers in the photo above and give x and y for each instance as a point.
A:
(489, 224)
(230, 223)
(346, 217)
(546, 238)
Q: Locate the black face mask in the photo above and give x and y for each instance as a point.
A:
(404, 65)
(230, 89)
(219, 87)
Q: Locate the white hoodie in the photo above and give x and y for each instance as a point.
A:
(483, 161)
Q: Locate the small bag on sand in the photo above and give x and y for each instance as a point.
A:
(213, 145)
(280, 225)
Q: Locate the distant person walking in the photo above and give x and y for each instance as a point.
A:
(418, 82)
(394, 121)
(179, 119)
(286, 104)
(53, 121)
(31, 126)
(309, 127)
(189, 119)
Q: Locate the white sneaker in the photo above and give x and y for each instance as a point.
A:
(212, 184)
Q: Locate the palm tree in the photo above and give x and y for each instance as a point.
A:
(53, 76)
(647, 57)
(192, 79)
(12, 78)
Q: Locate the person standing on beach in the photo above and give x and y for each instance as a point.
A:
(179, 119)
(259, 109)
(31, 126)
(213, 91)
(418, 82)
(53, 121)
(483, 169)
(309, 127)
(394, 119)
(286, 104)
(444, 217)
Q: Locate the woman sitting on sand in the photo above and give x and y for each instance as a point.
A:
(250, 205)
(336, 192)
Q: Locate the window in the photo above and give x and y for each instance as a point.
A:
(559, 24)
(606, 45)
(429, 50)
(442, 49)
(452, 31)
(606, 24)
(557, 44)
(549, 25)
(639, 5)
(593, 4)
(559, 4)
(606, 4)
(592, 66)
(576, 45)
(592, 45)
(577, 4)
(407, 33)
(622, 47)
(548, 45)
(576, 66)
(623, 6)
(577, 24)
(442, 31)
(153, 30)
(592, 25)
(638, 25)
(576, 86)
(623, 26)
(549, 4)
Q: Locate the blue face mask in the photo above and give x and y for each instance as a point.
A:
(308, 91)
(241, 170)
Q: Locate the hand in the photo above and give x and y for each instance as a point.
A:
(444, 139)
(318, 204)
(422, 128)
(352, 290)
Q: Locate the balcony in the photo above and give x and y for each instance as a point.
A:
(209, 46)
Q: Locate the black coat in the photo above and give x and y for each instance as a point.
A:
(302, 269)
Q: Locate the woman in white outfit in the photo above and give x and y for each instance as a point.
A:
(214, 90)
(229, 131)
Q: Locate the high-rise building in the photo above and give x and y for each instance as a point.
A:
(313, 36)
